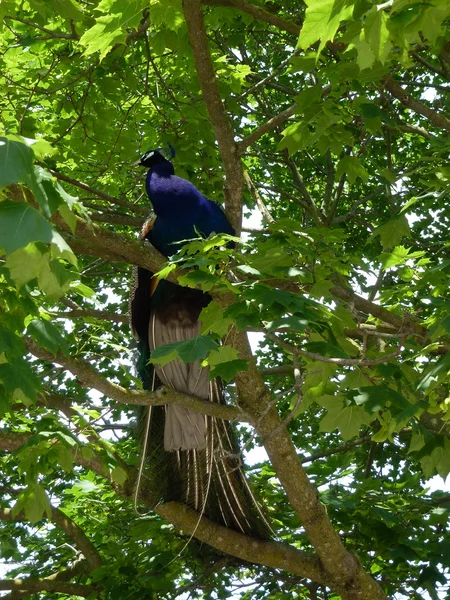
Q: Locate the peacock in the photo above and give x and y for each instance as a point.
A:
(189, 457)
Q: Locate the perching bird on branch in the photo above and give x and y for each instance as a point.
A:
(190, 457)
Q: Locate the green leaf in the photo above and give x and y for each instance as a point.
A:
(398, 256)
(16, 162)
(377, 34)
(198, 278)
(438, 460)
(325, 349)
(435, 374)
(119, 475)
(26, 263)
(224, 363)
(417, 442)
(48, 336)
(348, 419)
(374, 398)
(68, 9)
(189, 351)
(322, 19)
(34, 502)
(213, 320)
(168, 13)
(392, 232)
(353, 168)
(111, 28)
(21, 224)
(228, 370)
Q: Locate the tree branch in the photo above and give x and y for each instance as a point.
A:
(50, 32)
(257, 13)
(89, 377)
(75, 532)
(110, 199)
(219, 119)
(258, 200)
(90, 313)
(271, 554)
(404, 324)
(47, 584)
(343, 569)
(343, 362)
(270, 125)
(438, 119)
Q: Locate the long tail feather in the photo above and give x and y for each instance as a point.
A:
(189, 457)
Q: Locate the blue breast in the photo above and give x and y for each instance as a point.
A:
(180, 210)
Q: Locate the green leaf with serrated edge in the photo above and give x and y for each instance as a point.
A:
(119, 475)
(111, 27)
(48, 336)
(213, 320)
(21, 224)
(202, 278)
(196, 348)
(322, 19)
(34, 502)
(392, 232)
(228, 370)
(16, 162)
(352, 167)
(398, 256)
(188, 351)
(26, 263)
(434, 374)
(220, 355)
(348, 419)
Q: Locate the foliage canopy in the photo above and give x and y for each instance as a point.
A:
(329, 119)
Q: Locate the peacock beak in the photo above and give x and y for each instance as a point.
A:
(136, 163)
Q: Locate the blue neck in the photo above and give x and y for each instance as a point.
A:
(172, 197)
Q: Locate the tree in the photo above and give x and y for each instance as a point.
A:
(329, 120)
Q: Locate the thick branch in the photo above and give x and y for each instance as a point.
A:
(94, 240)
(271, 554)
(257, 13)
(89, 377)
(404, 324)
(348, 579)
(219, 119)
(438, 119)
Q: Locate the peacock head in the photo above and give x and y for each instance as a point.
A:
(154, 157)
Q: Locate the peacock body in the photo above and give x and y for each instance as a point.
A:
(190, 457)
